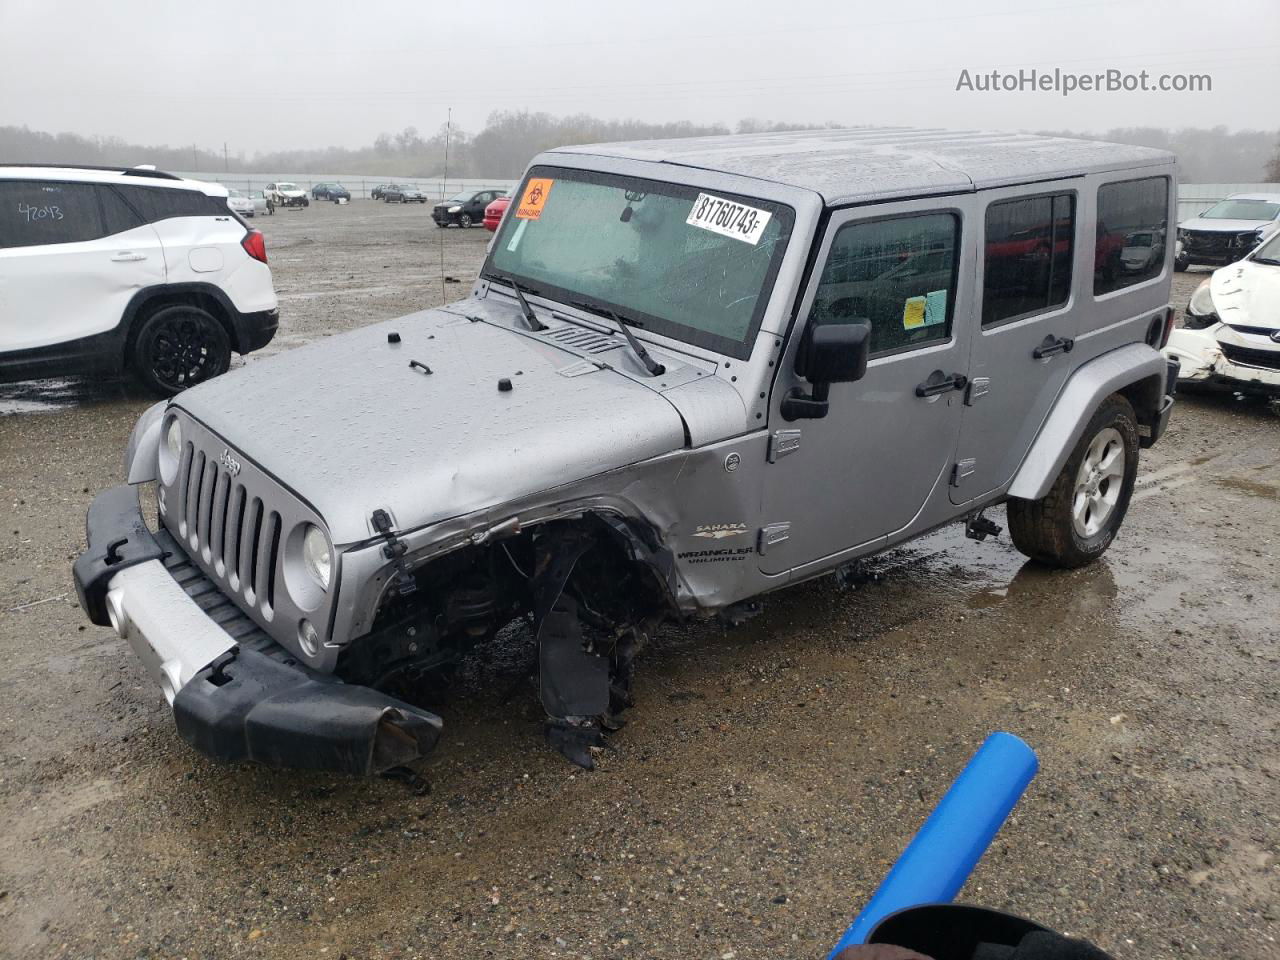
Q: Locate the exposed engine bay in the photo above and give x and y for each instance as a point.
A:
(591, 589)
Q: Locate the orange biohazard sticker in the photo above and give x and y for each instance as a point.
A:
(534, 199)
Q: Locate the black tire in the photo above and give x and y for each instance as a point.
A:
(1047, 530)
(1180, 264)
(464, 220)
(179, 346)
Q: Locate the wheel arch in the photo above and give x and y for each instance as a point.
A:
(1136, 372)
(146, 301)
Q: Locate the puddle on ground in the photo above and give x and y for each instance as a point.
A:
(50, 396)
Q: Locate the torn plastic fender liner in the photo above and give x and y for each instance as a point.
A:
(249, 706)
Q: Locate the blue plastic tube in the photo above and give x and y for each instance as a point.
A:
(944, 851)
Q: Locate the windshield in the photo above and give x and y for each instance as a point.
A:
(286, 186)
(673, 259)
(460, 198)
(1269, 252)
(1242, 210)
(233, 193)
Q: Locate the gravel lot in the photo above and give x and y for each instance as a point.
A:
(766, 780)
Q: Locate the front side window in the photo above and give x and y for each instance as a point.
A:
(1132, 218)
(1027, 256)
(684, 262)
(35, 212)
(897, 275)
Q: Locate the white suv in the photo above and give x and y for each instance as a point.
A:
(111, 271)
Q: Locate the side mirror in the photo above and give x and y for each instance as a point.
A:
(834, 353)
(830, 353)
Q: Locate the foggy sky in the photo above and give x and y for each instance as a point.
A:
(284, 73)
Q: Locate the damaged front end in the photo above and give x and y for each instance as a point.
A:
(236, 694)
(590, 589)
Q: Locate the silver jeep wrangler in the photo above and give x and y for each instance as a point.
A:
(691, 372)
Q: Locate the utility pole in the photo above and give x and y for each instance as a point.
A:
(225, 167)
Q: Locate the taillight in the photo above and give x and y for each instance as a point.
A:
(1169, 315)
(255, 245)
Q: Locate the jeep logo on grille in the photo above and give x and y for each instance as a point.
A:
(228, 461)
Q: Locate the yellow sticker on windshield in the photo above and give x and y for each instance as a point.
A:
(534, 199)
(913, 313)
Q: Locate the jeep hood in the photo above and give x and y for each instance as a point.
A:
(1247, 294)
(349, 426)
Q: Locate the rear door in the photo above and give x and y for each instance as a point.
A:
(1027, 325)
(868, 468)
(72, 256)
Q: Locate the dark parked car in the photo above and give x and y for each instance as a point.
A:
(330, 191)
(398, 193)
(464, 209)
(377, 192)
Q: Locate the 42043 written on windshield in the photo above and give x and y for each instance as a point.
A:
(696, 265)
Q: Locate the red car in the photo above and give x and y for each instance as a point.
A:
(493, 213)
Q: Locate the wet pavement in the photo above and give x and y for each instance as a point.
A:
(765, 781)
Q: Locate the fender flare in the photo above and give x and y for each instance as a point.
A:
(1137, 371)
(139, 300)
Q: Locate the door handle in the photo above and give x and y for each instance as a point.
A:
(126, 256)
(940, 382)
(1051, 345)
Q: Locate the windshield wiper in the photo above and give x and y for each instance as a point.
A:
(530, 317)
(1270, 261)
(653, 366)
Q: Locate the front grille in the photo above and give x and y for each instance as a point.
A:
(238, 524)
(1217, 243)
(1266, 359)
(228, 527)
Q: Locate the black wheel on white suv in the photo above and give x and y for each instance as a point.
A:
(179, 346)
(1075, 522)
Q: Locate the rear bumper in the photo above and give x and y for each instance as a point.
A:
(255, 330)
(236, 694)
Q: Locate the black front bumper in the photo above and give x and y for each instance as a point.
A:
(255, 701)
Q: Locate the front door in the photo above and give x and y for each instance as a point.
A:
(1021, 352)
(867, 469)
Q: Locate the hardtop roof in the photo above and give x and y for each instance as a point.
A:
(874, 163)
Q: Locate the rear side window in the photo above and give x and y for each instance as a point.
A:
(118, 216)
(1132, 223)
(897, 275)
(158, 203)
(37, 212)
(1027, 259)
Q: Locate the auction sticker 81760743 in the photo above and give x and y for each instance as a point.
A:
(728, 218)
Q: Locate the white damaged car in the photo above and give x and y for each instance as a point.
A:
(1231, 335)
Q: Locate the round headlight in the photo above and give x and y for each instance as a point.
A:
(317, 555)
(454, 209)
(170, 451)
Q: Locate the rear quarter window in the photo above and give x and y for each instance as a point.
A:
(1131, 233)
(36, 212)
(159, 203)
